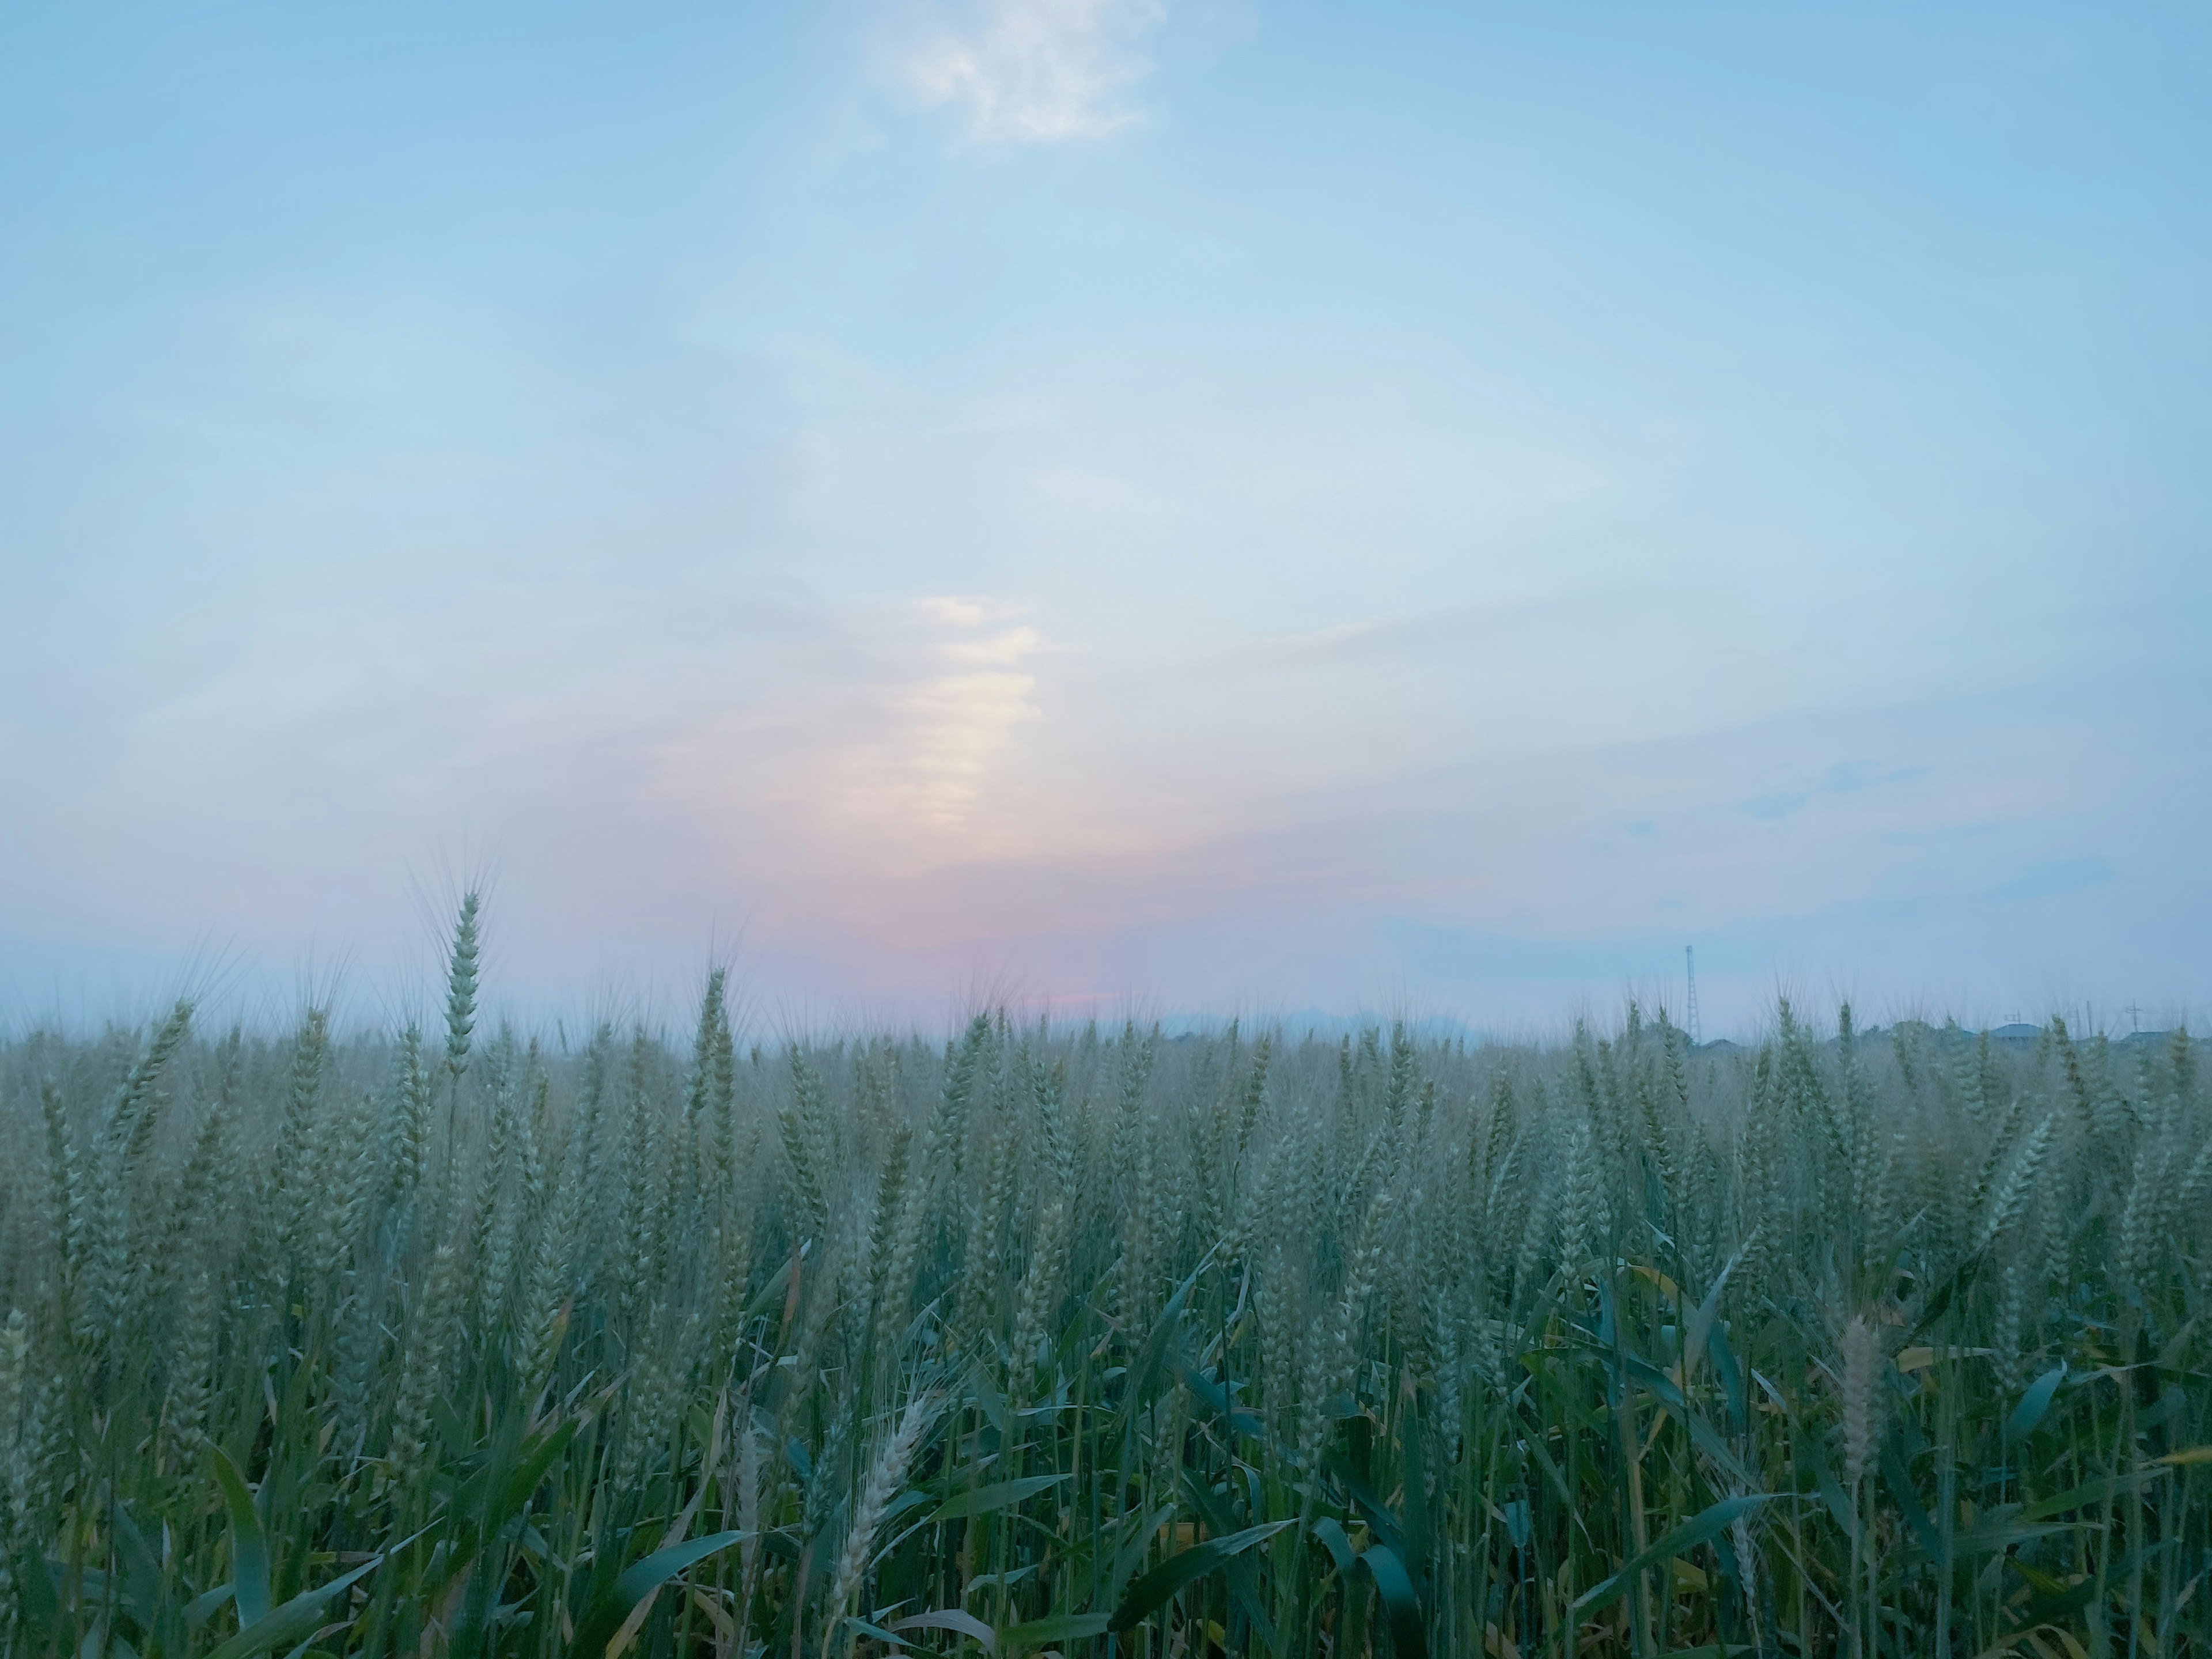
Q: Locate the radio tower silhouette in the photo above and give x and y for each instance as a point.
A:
(1690, 1015)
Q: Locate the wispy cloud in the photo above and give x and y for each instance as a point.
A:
(2055, 878)
(962, 722)
(893, 748)
(1038, 71)
(1454, 627)
(1781, 804)
(1847, 778)
(1002, 649)
(953, 610)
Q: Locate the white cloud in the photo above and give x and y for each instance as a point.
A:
(891, 745)
(1010, 646)
(955, 726)
(959, 725)
(950, 611)
(1038, 71)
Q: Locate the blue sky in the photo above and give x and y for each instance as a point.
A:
(1218, 505)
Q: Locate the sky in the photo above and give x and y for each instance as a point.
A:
(1186, 506)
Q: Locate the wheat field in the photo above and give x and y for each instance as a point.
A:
(1057, 1338)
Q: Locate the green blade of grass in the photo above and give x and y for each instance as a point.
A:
(249, 1543)
(301, 1616)
(605, 1616)
(984, 1500)
(1151, 1593)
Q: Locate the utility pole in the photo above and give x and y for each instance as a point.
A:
(1690, 1015)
